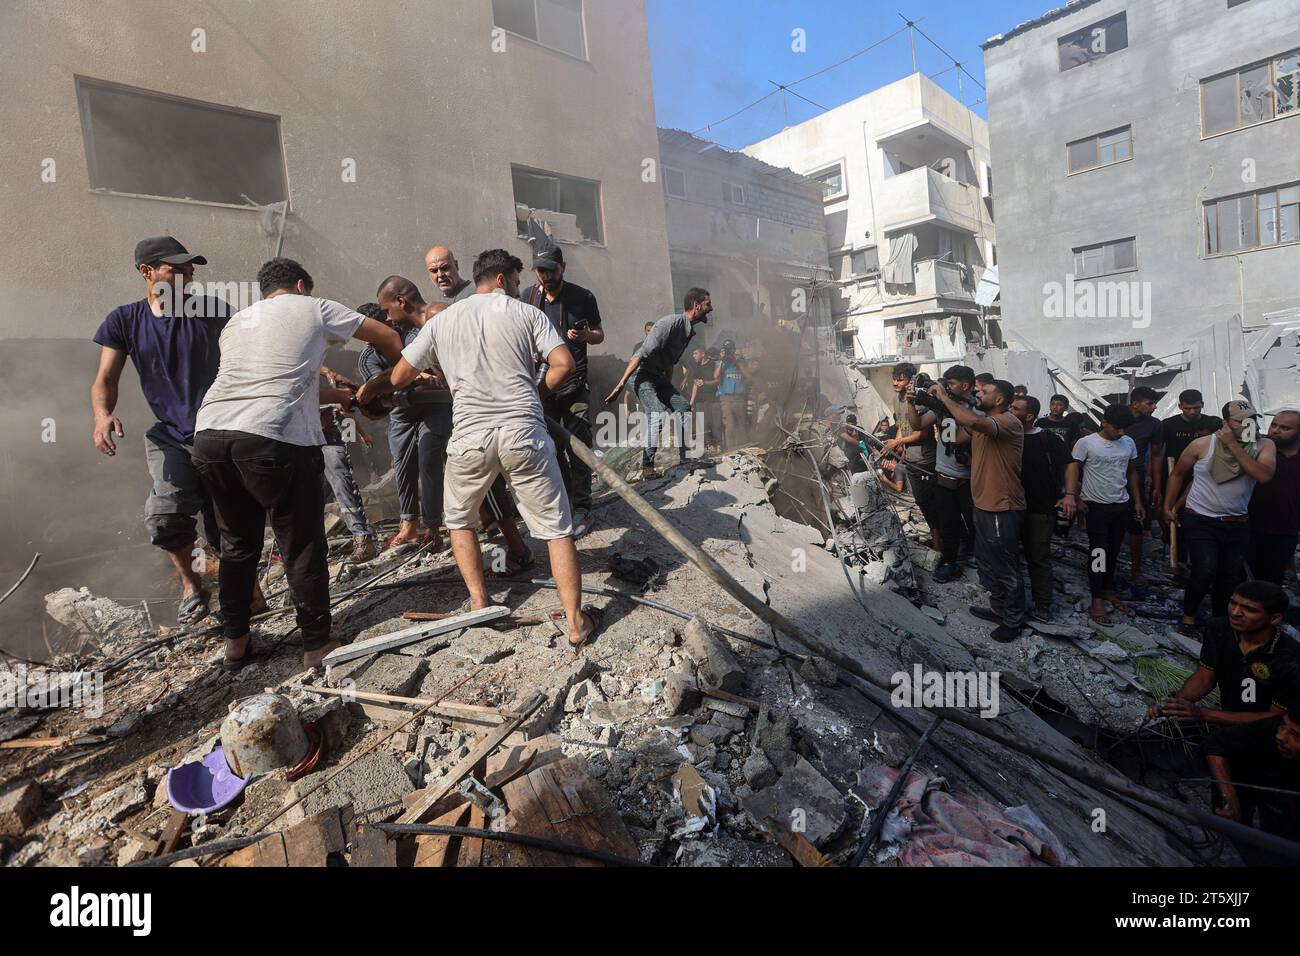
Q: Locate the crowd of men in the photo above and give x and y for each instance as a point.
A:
(251, 425)
(995, 478)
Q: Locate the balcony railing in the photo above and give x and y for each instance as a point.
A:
(925, 195)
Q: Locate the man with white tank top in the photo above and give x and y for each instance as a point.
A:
(1224, 469)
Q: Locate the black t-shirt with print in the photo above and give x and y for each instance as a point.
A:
(1221, 654)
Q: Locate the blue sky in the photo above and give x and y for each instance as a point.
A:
(712, 57)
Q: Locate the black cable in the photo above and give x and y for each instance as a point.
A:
(522, 839)
(883, 810)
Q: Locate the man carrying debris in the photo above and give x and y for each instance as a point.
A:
(1275, 505)
(576, 316)
(952, 494)
(487, 346)
(1042, 471)
(173, 339)
(1147, 435)
(1242, 655)
(1215, 524)
(1255, 769)
(653, 369)
(917, 448)
(1107, 495)
(257, 447)
(997, 444)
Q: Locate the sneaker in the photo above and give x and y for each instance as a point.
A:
(946, 572)
(985, 614)
(1004, 635)
(363, 549)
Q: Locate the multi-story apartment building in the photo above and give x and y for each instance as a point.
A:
(905, 175)
(750, 233)
(1148, 157)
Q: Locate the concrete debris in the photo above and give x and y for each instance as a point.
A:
(19, 804)
(104, 620)
(718, 666)
(580, 695)
(802, 800)
(122, 801)
(698, 801)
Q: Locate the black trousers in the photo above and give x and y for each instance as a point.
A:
(573, 411)
(1270, 555)
(952, 506)
(923, 490)
(251, 478)
(1106, 524)
(1216, 552)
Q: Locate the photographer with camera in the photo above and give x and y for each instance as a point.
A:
(952, 496)
(997, 446)
(916, 445)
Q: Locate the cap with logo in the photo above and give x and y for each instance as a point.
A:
(166, 249)
(1240, 410)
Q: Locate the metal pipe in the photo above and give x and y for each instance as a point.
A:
(883, 810)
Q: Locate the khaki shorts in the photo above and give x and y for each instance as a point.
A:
(525, 454)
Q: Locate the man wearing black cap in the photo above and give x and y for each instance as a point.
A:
(172, 339)
(653, 367)
(576, 316)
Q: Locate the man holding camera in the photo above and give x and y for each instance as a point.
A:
(952, 493)
(917, 449)
(997, 445)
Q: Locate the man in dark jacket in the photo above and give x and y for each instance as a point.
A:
(1042, 472)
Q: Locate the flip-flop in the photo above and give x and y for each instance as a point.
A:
(249, 657)
(517, 564)
(593, 613)
(190, 607)
(1102, 619)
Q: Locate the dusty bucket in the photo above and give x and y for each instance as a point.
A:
(261, 734)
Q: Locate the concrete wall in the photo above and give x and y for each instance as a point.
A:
(412, 91)
(1035, 110)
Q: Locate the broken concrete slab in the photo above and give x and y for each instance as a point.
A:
(483, 645)
(712, 656)
(680, 692)
(393, 674)
(122, 801)
(375, 784)
(19, 806)
(803, 801)
(580, 694)
(397, 639)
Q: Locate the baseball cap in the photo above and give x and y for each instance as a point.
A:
(164, 249)
(1239, 411)
(548, 257)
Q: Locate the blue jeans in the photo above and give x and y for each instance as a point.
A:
(658, 398)
(338, 472)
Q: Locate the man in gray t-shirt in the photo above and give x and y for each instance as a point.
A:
(257, 447)
(488, 346)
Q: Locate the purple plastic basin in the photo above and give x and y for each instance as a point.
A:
(203, 787)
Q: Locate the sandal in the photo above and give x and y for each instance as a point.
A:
(1103, 619)
(239, 663)
(193, 608)
(596, 615)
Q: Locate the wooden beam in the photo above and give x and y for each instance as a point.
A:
(431, 795)
(388, 642)
(472, 712)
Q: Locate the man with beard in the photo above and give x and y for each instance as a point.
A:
(576, 316)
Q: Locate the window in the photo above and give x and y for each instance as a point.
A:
(1269, 217)
(1093, 42)
(674, 182)
(1253, 94)
(1104, 258)
(553, 23)
(865, 262)
(832, 180)
(152, 144)
(1095, 359)
(1101, 150)
(733, 194)
(554, 193)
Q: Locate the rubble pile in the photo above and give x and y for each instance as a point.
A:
(713, 741)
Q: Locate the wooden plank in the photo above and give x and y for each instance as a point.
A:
(471, 848)
(172, 832)
(797, 845)
(432, 849)
(560, 802)
(431, 795)
(309, 843)
(510, 621)
(394, 715)
(590, 801)
(719, 694)
(388, 642)
(504, 766)
(373, 849)
(527, 815)
(472, 712)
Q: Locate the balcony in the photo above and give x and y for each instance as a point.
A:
(926, 195)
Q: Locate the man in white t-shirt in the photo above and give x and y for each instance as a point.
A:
(1110, 498)
(257, 447)
(488, 346)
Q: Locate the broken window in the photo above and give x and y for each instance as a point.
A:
(1093, 42)
(553, 23)
(153, 144)
(1096, 359)
(733, 193)
(832, 180)
(1266, 218)
(866, 262)
(1106, 257)
(674, 182)
(1101, 150)
(570, 206)
(1252, 94)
